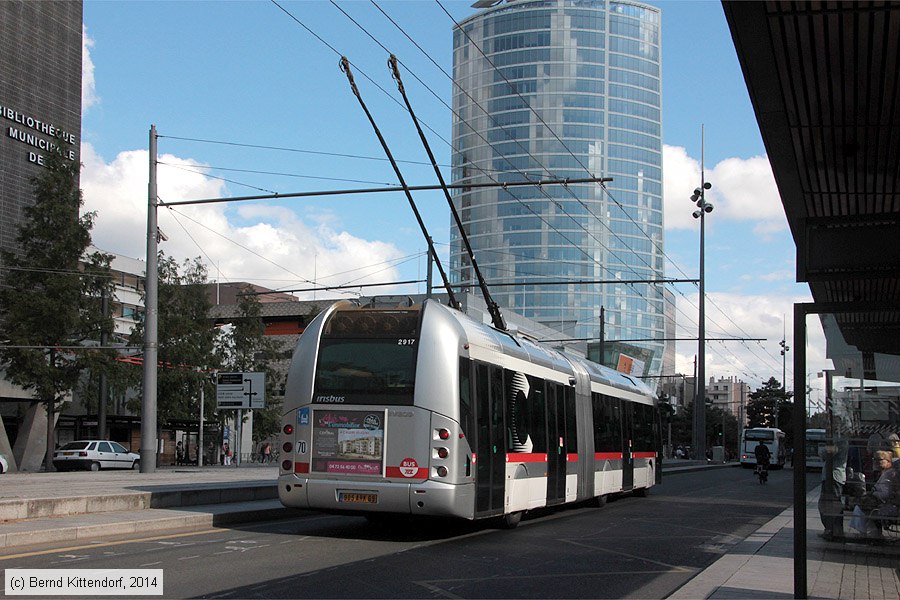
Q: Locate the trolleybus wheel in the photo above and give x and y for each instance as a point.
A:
(511, 520)
(600, 500)
(640, 492)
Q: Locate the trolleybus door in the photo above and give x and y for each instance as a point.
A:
(556, 444)
(490, 463)
(627, 436)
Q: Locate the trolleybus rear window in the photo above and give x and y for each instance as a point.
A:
(369, 371)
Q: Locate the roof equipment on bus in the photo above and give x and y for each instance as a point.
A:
(345, 67)
(493, 308)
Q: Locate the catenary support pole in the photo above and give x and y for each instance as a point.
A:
(151, 314)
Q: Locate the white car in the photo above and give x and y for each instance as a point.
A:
(4, 467)
(95, 455)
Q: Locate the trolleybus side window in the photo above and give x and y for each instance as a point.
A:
(539, 414)
(466, 410)
(643, 428)
(607, 423)
(571, 424)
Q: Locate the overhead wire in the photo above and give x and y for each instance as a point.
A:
(187, 167)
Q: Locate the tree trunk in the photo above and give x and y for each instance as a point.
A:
(51, 438)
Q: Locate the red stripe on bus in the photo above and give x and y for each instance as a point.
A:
(607, 455)
(422, 473)
(526, 457)
(300, 467)
(571, 458)
(644, 454)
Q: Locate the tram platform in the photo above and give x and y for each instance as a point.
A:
(80, 508)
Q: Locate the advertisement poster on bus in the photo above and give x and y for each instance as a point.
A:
(350, 442)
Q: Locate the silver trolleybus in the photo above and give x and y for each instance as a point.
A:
(424, 411)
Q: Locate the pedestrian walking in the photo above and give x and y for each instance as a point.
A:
(267, 453)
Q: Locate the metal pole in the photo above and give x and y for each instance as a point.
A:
(200, 435)
(430, 268)
(151, 313)
(701, 361)
(238, 433)
(799, 462)
(101, 409)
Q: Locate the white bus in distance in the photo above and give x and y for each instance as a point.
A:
(773, 438)
(815, 448)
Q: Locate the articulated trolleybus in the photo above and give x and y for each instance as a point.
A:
(424, 411)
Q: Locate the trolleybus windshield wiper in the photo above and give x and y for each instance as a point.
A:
(493, 308)
(345, 67)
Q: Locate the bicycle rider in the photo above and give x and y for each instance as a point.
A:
(763, 455)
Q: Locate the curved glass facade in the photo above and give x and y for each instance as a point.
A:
(563, 89)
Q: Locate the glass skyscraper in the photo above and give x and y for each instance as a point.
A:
(564, 89)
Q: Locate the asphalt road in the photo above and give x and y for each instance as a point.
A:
(632, 547)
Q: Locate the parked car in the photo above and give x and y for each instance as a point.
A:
(95, 455)
(4, 466)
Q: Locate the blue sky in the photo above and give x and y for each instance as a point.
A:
(250, 73)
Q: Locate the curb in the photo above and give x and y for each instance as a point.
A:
(105, 526)
(36, 508)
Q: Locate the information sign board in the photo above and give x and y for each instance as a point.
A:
(240, 390)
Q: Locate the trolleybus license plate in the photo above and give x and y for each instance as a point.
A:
(357, 498)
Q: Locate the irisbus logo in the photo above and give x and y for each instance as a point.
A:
(331, 399)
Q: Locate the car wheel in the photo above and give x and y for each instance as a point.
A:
(95, 466)
(136, 465)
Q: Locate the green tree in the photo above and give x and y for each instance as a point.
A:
(54, 307)
(766, 402)
(244, 347)
(186, 339)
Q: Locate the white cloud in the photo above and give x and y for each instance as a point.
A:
(268, 245)
(769, 317)
(681, 174)
(743, 190)
(88, 91)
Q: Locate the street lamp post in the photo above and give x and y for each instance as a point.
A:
(703, 207)
(784, 350)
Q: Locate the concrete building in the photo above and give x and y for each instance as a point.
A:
(728, 393)
(40, 97)
(563, 89)
(40, 106)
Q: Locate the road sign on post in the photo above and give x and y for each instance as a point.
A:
(240, 390)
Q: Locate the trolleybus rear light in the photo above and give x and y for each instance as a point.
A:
(441, 471)
(286, 465)
(288, 429)
(287, 447)
(443, 453)
(443, 434)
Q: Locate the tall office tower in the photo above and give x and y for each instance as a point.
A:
(564, 89)
(40, 98)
